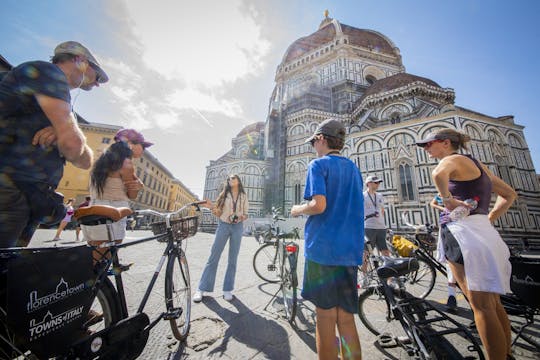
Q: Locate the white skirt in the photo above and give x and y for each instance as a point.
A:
(99, 232)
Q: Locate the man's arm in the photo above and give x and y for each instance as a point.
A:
(70, 140)
(315, 206)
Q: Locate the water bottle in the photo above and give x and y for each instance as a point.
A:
(461, 211)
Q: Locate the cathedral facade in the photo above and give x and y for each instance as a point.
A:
(357, 76)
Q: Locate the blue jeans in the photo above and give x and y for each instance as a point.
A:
(223, 233)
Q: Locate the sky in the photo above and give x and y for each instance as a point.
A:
(192, 74)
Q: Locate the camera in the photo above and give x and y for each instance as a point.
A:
(233, 218)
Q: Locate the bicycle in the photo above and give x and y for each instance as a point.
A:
(522, 303)
(279, 255)
(425, 333)
(58, 324)
(419, 283)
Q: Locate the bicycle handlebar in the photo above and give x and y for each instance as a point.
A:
(167, 215)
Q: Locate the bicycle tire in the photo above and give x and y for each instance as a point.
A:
(421, 282)
(289, 283)
(264, 263)
(178, 293)
(375, 313)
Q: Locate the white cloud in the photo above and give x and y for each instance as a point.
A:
(207, 42)
(193, 99)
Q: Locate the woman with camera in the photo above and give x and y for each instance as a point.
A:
(231, 208)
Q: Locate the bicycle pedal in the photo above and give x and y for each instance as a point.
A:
(118, 269)
(271, 267)
(173, 314)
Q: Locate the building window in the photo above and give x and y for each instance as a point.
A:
(406, 182)
(298, 194)
(370, 79)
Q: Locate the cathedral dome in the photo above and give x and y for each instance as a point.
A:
(255, 127)
(330, 30)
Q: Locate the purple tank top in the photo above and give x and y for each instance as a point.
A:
(480, 187)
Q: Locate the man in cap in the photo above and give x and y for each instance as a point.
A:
(38, 133)
(375, 229)
(334, 234)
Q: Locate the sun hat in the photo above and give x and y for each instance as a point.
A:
(75, 48)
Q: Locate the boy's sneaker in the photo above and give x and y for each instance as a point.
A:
(197, 297)
(451, 303)
(227, 295)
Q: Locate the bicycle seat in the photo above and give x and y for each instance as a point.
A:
(396, 266)
(100, 214)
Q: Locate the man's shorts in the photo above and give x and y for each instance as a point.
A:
(377, 237)
(329, 286)
(452, 251)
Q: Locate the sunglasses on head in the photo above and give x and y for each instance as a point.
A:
(428, 144)
(314, 140)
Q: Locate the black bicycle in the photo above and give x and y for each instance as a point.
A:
(522, 305)
(275, 261)
(60, 302)
(424, 331)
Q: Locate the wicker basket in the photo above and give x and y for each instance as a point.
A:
(427, 241)
(181, 228)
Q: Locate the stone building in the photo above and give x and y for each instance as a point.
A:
(357, 76)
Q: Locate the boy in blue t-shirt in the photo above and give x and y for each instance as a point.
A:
(334, 241)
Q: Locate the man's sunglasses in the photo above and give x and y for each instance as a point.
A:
(98, 76)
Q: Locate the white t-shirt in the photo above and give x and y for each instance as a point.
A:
(373, 203)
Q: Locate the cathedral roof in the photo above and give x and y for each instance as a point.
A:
(393, 82)
(330, 29)
(255, 127)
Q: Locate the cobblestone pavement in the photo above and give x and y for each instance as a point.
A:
(241, 329)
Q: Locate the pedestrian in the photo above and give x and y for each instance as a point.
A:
(334, 237)
(38, 133)
(231, 208)
(66, 220)
(113, 182)
(375, 228)
(474, 250)
(451, 301)
(85, 203)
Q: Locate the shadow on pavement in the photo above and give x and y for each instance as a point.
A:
(304, 325)
(255, 331)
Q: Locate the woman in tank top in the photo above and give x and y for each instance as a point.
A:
(476, 254)
(113, 182)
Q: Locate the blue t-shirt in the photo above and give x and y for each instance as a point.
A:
(335, 237)
(21, 117)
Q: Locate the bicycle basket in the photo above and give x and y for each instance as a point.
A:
(181, 228)
(427, 241)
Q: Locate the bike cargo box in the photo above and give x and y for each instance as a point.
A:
(47, 293)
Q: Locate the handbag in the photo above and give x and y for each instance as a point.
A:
(46, 204)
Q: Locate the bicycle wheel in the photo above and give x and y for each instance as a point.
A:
(265, 263)
(105, 310)
(419, 283)
(289, 282)
(178, 293)
(375, 313)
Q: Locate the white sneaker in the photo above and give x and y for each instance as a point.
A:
(227, 295)
(197, 297)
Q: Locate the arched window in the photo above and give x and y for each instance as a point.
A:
(298, 193)
(406, 181)
(370, 79)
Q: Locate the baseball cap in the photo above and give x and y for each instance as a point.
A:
(329, 127)
(75, 48)
(373, 179)
(132, 135)
(437, 136)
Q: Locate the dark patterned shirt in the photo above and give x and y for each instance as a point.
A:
(21, 117)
